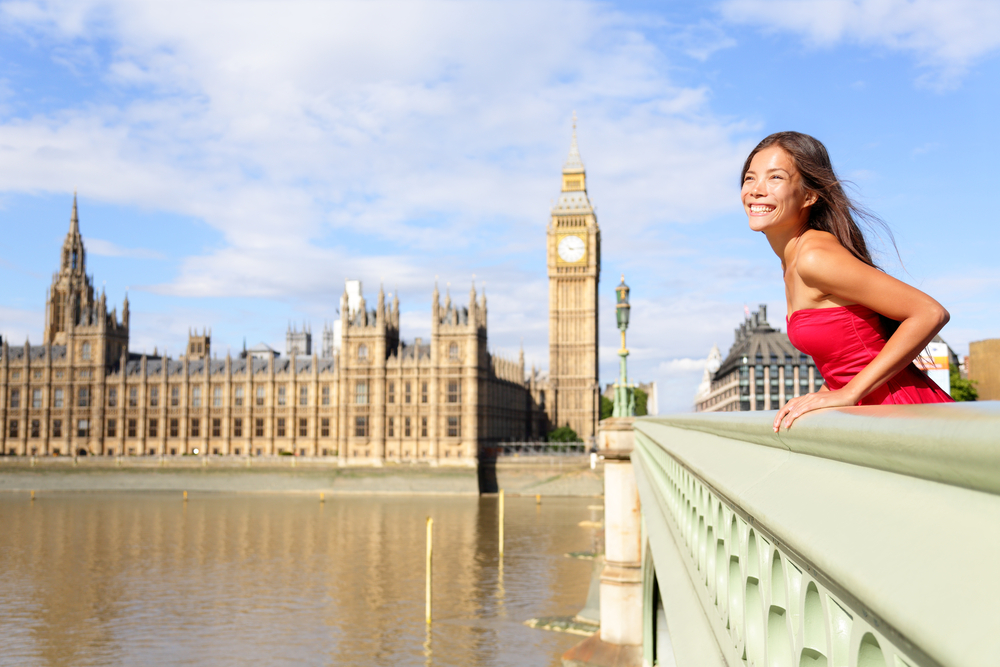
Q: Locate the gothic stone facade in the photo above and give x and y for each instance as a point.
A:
(574, 269)
(374, 399)
(377, 399)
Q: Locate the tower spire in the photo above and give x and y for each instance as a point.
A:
(574, 163)
(574, 177)
(74, 220)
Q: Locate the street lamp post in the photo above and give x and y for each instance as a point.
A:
(624, 394)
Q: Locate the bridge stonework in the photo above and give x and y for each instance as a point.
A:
(862, 537)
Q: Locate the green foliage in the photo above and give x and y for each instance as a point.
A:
(564, 434)
(962, 389)
(641, 398)
(607, 407)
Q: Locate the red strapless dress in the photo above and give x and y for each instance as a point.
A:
(844, 340)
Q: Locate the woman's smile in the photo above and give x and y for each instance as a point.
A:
(773, 193)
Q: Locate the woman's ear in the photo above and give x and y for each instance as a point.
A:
(811, 198)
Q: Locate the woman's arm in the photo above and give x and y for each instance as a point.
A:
(823, 264)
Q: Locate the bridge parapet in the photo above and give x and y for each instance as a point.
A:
(861, 537)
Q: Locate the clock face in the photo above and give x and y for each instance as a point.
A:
(571, 248)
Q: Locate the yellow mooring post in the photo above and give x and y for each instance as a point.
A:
(32, 495)
(538, 499)
(321, 497)
(185, 496)
(501, 522)
(430, 556)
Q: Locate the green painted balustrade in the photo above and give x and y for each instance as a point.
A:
(862, 537)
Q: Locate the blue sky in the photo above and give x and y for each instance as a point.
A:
(236, 161)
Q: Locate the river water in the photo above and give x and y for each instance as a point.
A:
(227, 579)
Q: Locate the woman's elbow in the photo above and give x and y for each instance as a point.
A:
(941, 316)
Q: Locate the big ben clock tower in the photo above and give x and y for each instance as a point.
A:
(574, 262)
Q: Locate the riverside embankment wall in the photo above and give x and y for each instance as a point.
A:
(547, 476)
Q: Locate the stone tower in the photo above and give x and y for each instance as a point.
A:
(74, 315)
(199, 344)
(574, 264)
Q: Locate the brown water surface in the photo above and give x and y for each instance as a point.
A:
(147, 579)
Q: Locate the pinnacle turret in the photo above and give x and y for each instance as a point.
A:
(574, 163)
(74, 221)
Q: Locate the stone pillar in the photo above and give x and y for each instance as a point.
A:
(314, 401)
(142, 430)
(292, 409)
(621, 582)
(227, 403)
(4, 389)
(270, 399)
(47, 403)
(163, 407)
(184, 402)
(619, 642)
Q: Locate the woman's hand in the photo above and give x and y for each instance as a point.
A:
(824, 398)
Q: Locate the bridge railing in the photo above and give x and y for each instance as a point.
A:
(861, 537)
(498, 449)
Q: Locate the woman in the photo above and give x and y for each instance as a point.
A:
(839, 302)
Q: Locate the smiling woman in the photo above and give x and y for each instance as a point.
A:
(840, 304)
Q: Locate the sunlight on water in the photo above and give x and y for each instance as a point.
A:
(143, 579)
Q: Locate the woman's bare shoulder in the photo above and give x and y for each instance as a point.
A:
(820, 254)
(815, 239)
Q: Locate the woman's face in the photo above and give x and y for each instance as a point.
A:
(773, 194)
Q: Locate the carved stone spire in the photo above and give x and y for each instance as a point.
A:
(74, 220)
(574, 163)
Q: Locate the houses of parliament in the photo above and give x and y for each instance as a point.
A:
(368, 399)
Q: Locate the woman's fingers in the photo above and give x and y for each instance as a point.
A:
(788, 413)
(784, 411)
(794, 414)
(797, 407)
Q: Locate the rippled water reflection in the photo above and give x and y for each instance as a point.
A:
(141, 579)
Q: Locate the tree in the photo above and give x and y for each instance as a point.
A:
(962, 389)
(641, 398)
(564, 434)
(607, 407)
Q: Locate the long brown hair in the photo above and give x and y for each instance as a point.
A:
(834, 211)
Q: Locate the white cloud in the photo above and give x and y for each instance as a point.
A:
(304, 118)
(703, 39)
(377, 140)
(684, 365)
(945, 37)
(105, 248)
(20, 325)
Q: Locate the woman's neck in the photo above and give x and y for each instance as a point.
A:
(784, 241)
